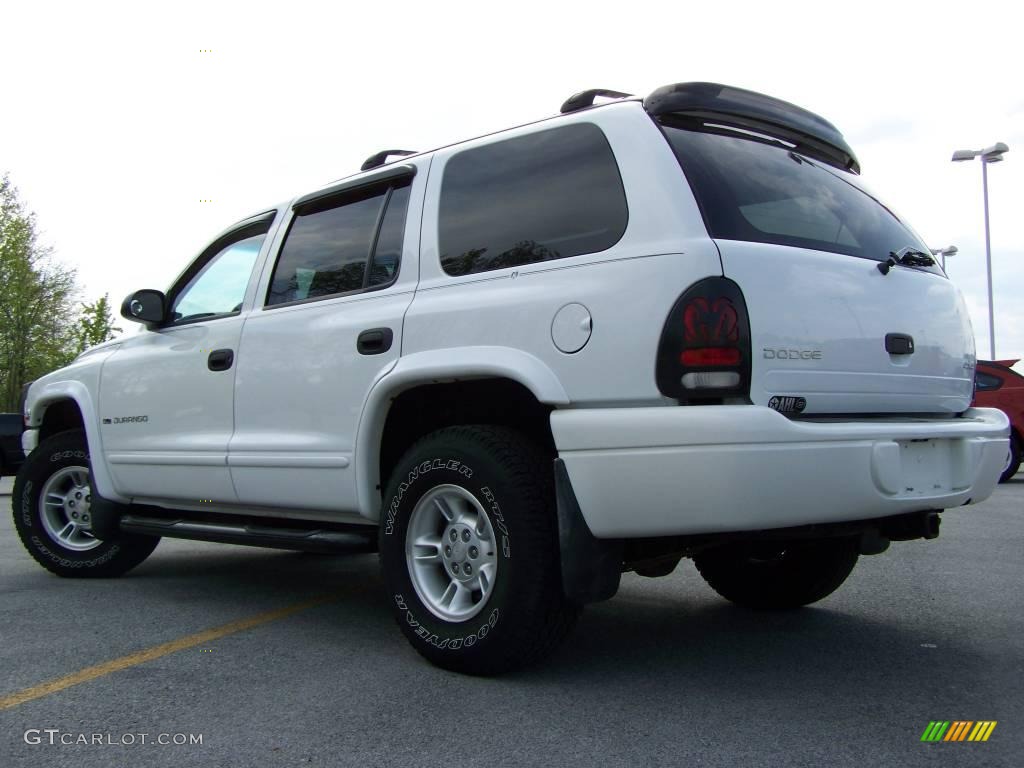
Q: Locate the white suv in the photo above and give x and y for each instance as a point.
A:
(655, 328)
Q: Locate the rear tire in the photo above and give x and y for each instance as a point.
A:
(778, 576)
(1013, 464)
(469, 551)
(51, 505)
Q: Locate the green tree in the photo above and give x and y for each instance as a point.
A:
(95, 323)
(37, 307)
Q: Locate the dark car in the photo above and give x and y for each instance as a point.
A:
(11, 426)
(997, 386)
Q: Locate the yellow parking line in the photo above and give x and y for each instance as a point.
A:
(140, 657)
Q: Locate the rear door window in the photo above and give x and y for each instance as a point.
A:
(388, 254)
(547, 195)
(341, 246)
(762, 192)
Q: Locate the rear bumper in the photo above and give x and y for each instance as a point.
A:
(706, 469)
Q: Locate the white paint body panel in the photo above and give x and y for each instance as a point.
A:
(78, 382)
(628, 289)
(300, 389)
(440, 365)
(302, 384)
(843, 307)
(711, 469)
(180, 451)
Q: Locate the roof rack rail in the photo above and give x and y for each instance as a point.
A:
(376, 161)
(585, 99)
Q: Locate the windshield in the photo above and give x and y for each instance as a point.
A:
(762, 192)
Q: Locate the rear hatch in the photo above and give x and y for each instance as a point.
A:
(831, 331)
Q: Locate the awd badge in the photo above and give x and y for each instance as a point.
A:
(787, 404)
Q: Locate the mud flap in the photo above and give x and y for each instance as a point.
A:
(106, 516)
(591, 567)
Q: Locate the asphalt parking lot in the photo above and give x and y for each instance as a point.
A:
(664, 674)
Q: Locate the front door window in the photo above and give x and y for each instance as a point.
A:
(219, 287)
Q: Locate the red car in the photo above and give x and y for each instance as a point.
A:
(996, 386)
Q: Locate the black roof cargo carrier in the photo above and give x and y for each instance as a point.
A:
(724, 105)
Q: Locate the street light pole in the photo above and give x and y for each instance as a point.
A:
(993, 154)
(988, 264)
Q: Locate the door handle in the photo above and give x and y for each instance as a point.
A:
(220, 359)
(899, 344)
(374, 341)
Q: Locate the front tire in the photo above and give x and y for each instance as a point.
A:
(469, 551)
(778, 576)
(51, 505)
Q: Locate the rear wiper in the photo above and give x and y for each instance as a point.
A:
(906, 257)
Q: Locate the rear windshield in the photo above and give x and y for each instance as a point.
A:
(762, 192)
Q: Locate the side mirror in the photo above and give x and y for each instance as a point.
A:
(145, 306)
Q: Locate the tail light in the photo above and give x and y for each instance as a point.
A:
(704, 352)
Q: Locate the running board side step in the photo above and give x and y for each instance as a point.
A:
(303, 539)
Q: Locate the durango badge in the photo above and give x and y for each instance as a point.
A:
(787, 404)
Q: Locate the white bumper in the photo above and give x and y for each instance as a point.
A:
(29, 440)
(705, 469)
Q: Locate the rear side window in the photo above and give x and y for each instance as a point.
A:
(549, 195)
(763, 192)
(341, 246)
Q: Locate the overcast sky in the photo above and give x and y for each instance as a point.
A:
(115, 123)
